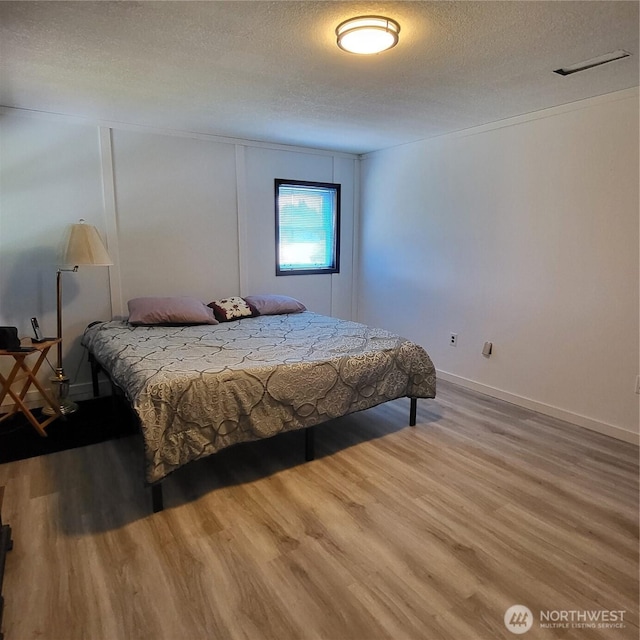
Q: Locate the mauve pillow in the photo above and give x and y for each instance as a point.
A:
(180, 310)
(271, 304)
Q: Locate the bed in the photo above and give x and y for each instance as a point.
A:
(197, 389)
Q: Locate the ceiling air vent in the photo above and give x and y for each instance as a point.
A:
(593, 62)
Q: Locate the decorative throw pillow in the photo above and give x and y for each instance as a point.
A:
(232, 308)
(180, 310)
(271, 304)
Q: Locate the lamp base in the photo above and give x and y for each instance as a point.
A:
(60, 393)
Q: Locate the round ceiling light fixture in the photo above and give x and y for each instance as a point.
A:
(367, 34)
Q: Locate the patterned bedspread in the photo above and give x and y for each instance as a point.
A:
(199, 389)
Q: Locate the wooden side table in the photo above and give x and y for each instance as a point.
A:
(22, 373)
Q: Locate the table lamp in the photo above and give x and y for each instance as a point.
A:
(84, 247)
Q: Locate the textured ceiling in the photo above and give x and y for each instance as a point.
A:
(271, 71)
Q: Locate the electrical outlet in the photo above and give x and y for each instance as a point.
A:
(453, 339)
(638, 384)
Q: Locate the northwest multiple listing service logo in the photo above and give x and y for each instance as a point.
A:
(519, 619)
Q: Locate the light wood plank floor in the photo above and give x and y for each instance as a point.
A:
(392, 532)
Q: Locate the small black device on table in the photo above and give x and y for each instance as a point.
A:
(37, 332)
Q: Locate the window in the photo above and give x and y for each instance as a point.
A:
(307, 227)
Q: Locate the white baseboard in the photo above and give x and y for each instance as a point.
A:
(84, 391)
(540, 407)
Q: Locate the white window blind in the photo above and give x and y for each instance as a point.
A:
(307, 227)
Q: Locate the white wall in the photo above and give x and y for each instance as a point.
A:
(50, 176)
(524, 234)
(181, 214)
(175, 201)
(327, 294)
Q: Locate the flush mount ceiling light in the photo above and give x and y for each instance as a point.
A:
(367, 34)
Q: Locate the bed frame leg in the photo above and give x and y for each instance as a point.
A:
(94, 375)
(412, 412)
(156, 497)
(309, 443)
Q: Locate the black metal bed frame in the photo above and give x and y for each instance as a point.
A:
(157, 500)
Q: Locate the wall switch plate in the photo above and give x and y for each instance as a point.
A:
(453, 339)
(638, 384)
(487, 349)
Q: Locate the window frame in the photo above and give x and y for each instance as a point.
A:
(336, 187)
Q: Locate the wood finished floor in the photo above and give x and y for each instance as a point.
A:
(392, 532)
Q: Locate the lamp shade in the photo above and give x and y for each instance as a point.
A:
(84, 246)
